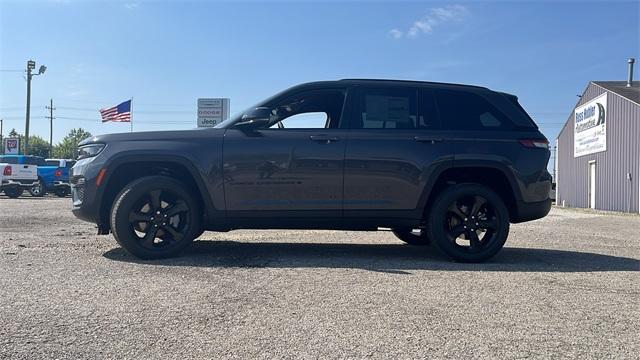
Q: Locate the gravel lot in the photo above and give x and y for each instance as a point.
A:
(566, 285)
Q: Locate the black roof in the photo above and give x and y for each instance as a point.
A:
(620, 87)
(406, 82)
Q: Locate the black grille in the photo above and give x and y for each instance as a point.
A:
(78, 193)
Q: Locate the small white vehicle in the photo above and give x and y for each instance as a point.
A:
(16, 178)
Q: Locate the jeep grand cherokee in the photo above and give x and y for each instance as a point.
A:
(452, 165)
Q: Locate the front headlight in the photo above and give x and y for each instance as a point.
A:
(91, 150)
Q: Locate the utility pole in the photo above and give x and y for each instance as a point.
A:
(30, 66)
(1, 142)
(50, 108)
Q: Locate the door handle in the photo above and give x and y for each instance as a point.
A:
(427, 139)
(324, 138)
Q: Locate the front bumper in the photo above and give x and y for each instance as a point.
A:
(84, 192)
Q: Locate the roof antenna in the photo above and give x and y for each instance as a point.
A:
(630, 78)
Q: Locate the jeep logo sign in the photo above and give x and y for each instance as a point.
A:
(212, 111)
(11, 146)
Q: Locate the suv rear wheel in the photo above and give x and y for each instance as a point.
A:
(154, 217)
(416, 237)
(469, 222)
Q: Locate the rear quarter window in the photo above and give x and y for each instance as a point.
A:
(462, 110)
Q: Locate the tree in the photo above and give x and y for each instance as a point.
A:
(68, 147)
(39, 146)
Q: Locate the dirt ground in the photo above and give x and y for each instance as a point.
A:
(564, 286)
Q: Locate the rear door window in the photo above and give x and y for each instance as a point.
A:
(428, 115)
(386, 109)
(462, 110)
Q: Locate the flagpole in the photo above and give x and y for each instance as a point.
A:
(131, 114)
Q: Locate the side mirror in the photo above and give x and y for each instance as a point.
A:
(255, 118)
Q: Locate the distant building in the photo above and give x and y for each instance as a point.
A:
(598, 149)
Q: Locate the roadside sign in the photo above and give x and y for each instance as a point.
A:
(11, 146)
(212, 111)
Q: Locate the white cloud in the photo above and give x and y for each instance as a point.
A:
(434, 18)
(131, 5)
(395, 33)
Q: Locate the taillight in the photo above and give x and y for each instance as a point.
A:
(535, 143)
(7, 171)
(58, 173)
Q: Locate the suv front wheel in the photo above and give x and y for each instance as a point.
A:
(469, 222)
(155, 217)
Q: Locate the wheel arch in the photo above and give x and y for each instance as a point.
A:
(128, 167)
(493, 175)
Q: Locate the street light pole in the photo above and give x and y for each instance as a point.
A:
(30, 66)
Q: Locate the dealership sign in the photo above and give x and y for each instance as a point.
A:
(212, 111)
(590, 127)
(11, 146)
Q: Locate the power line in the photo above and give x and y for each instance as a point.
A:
(169, 122)
(137, 111)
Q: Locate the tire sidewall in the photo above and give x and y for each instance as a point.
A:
(13, 193)
(437, 218)
(129, 197)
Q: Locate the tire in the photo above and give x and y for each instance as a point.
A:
(138, 220)
(469, 223)
(61, 191)
(412, 237)
(13, 193)
(38, 190)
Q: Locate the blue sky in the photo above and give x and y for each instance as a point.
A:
(167, 54)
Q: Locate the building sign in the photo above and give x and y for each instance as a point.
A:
(590, 127)
(11, 146)
(211, 112)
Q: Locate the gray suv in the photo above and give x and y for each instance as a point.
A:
(443, 164)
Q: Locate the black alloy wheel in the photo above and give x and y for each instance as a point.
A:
(469, 222)
(159, 219)
(154, 217)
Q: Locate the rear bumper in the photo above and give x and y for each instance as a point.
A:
(527, 211)
(61, 183)
(24, 184)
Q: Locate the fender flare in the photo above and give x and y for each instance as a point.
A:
(126, 157)
(468, 163)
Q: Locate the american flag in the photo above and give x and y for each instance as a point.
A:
(118, 113)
